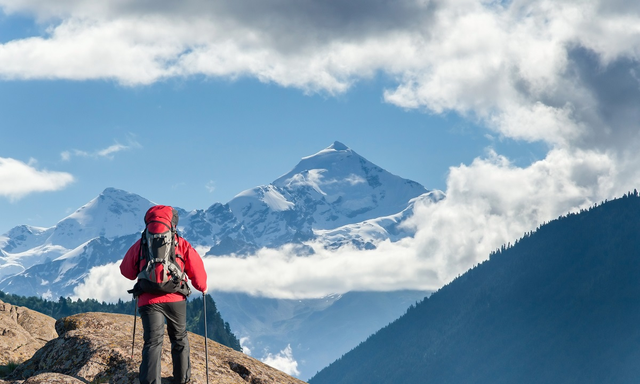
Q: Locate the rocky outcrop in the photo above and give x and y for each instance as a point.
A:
(96, 347)
(23, 332)
(52, 378)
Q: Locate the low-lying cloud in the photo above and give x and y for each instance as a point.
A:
(104, 283)
(489, 203)
(283, 361)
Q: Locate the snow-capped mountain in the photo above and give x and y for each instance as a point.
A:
(112, 214)
(347, 188)
(24, 246)
(59, 277)
(334, 197)
(331, 189)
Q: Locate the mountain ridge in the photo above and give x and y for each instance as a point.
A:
(559, 306)
(328, 197)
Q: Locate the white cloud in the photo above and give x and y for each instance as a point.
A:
(101, 153)
(283, 361)
(355, 179)
(104, 283)
(245, 344)
(18, 179)
(210, 186)
(107, 152)
(66, 155)
(501, 62)
(281, 273)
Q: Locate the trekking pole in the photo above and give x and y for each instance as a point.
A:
(206, 351)
(135, 320)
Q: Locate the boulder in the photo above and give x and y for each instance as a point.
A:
(97, 347)
(52, 378)
(23, 332)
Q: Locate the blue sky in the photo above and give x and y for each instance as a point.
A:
(520, 111)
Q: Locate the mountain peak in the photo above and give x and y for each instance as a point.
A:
(335, 148)
(347, 187)
(110, 191)
(338, 146)
(113, 213)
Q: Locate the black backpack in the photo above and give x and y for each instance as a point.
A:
(159, 269)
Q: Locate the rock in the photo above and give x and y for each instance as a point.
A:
(23, 332)
(52, 378)
(96, 347)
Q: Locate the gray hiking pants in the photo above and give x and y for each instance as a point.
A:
(153, 317)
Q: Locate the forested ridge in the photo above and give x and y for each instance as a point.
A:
(562, 305)
(217, 329)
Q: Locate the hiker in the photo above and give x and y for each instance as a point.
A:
(162, 290)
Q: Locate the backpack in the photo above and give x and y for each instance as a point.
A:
(158, 264)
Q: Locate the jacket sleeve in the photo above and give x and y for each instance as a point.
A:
(194, 266)
(129, 265)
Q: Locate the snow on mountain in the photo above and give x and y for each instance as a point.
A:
(269, 196)
(24, 246)
(14, 263)
(60, 276)
(262, 213)
(23, 237)
(347, 187)
(113, 213)
(366, 234)
(333, 188)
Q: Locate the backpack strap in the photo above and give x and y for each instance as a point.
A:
(140, 254)
(170, 227)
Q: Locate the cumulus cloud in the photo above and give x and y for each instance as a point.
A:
(283, 361)
(18, 179)
(245, 344)
(104, 283)
(534, 70)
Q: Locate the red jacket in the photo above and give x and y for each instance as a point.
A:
(193, 266)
